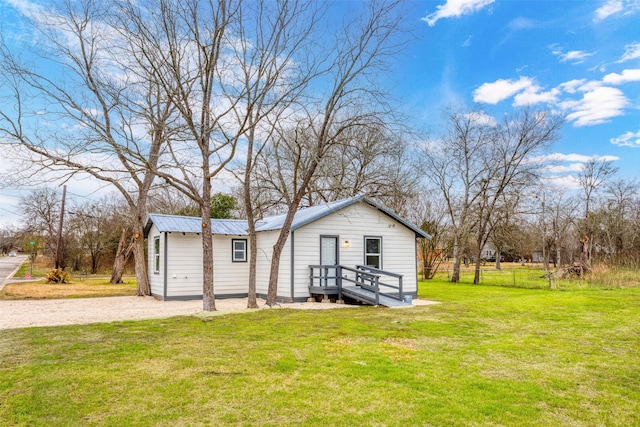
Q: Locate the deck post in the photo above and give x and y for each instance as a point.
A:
(377, 285)
(400, 286)
(339, 281)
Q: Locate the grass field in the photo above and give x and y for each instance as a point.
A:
(76, 288)
(487, 355)
(79, 286)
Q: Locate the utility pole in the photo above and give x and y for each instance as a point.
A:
(59, 240)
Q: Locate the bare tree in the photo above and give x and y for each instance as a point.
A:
(182, 46)
(41, 214)
(430, 212)
(110, 118)
(274, 44)
(339, 98)
(481, 165)
(456, 168)
(374, 161)
(592, 177)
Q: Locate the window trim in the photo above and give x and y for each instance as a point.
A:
(379, 254)
(156, 254)
(233, 250)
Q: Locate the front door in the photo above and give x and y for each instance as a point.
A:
(329, 256)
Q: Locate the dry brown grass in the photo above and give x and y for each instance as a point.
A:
(89, 287)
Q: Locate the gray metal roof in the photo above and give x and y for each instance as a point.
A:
(189, 224)
(184, 224)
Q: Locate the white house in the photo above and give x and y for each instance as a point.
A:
(347, 233)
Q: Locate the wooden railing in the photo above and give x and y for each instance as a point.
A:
(331, 278)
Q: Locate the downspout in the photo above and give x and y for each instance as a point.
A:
(166, 243)
(293, 246)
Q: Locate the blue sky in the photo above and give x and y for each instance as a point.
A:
(577, 58)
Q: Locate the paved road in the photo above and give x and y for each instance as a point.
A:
(8, 265)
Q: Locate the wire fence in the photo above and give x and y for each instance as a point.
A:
(538, 278)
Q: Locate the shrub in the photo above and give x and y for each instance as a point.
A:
(57, 275)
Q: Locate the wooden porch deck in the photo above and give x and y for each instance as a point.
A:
(361, 283)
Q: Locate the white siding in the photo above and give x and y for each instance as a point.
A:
(184, 252)
(266, 240)
(156, 280)
(229, 278)
(184, 271)
(353, 224)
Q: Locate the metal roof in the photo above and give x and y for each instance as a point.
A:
(189, 224)
(184, 224)
(314, 213)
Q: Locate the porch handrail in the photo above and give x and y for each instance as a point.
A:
(365, 277)
(373, 270)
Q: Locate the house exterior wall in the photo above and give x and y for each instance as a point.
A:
(184, 272)
(156, 279)
(230, 279)
(353, 224)
(266, 240)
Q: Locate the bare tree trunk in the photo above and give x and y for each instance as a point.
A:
(476, 276)
(253, 249)
(272, 292)
(122, 256)
(208, 297)
(498, 260)
(455, 273)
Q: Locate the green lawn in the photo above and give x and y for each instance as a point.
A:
(486, 356)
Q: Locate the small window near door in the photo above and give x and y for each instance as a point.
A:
(239, 250)
(156, 254)
(373, 252)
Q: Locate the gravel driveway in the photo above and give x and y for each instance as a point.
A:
(22, 314)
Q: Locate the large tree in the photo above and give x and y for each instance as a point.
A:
(104, 117)
(481, 164)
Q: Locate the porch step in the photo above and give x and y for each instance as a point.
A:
(369, 297)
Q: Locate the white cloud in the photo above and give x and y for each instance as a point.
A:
(482, 119)
(614, 7)
(455, 8)
(632, 75)
(572, 86)
(533, 95)
(610, 7)
(560, 170)
(467, 42)
(627, 139)
(575, 158)
(26, 8)
(631, 51)
(598, 105)
(572, 167)
(573, 56)
(565, 182)
(492, 93)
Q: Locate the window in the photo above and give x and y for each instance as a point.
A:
(373, 252)
(156, 254)
(239, 250)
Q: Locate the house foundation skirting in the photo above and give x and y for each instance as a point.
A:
(226, 296)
